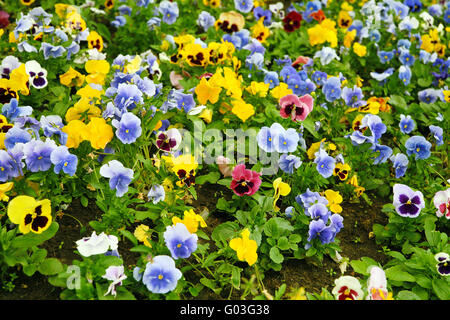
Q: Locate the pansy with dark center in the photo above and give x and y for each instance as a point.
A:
(408, 203)
(443, 265)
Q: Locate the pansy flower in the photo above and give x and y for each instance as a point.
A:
(281, 189)
(341, 170)
(191, 220)
(156, 194)
(119, 176)
(334, 199)
(347, 288)
(245, 247)
(292, 21)
(169, 140)
(30, 214)
(296, 108)
(180, 241)
(245, 182)
(116, 275)
(318, 229)
(377, 285)
(64, 160)
(408, 203)
(324, 163)
(288, 163)
(443, 265)
(418, 146)
(161, 274)
(128, 128)
(37, 74)
(438, 134)
(407, 124)
(400, 164)
(184, 167)
(441, 201)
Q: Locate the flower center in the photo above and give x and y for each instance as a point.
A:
(160, 277)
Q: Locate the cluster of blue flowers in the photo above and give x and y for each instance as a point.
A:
(324, 224)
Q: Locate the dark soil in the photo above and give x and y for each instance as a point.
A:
(355, 242)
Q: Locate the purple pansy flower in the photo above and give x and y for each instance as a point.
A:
(408, 203)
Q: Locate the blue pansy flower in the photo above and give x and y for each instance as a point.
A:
(119, 21)
(205, 20)
(438, 134)
(128, 128)
(156, 193)
(259, 13)
(169, 11)
(353, 97)
(267, 137)
(244, 6)
(12, 110)
(406, 58)
(400, 163)
(184, 101)
(119, 176)
(180, 241)
(384, 153)
(64, 160)
(161, 275)
(16, 135)
(332, 89)
(318, 211)
(319, 77)
(51, 51)
(37, 154)
(418, 146)
(324, 163)
(405, 75)
(429, 95)
(310, 198)
(271, 78)
(318, 229)
(128, 95)
(287, 163)
(407, 124)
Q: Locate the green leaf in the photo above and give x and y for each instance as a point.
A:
(50, 266)
(362, 266)
(275, 255)
(397, 101)
(441, 288)
(283, 243)
(397, 273)
(236, 277)
(224, 231)
(211, 177)
(33, 239)
(141, 248)
(407, 295)
(127, 234)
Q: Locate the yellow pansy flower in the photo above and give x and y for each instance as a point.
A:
(349, 38)
(30, 214)
(83, 110)
(95, 40)
(184, 167)
(245, 247)
(74, 21)
(258, 88)
(281, 189)
(206, 115)
(341, 170)
(344, 19)
(75, 130)
(134, 65)
(99, 133)
(5, 187)
(280, 91)
(242, 109)
(4, 128)
(61, 9)
(334, 200)
(191, 220)
(71, 78)
(141, 233)
(206, 92)
(359, 49)
(259, 31)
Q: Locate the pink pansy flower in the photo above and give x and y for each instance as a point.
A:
(296, 108)
(245, 182)
(377, 284)
(441, 201)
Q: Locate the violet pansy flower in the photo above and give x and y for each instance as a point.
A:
(408, 203)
